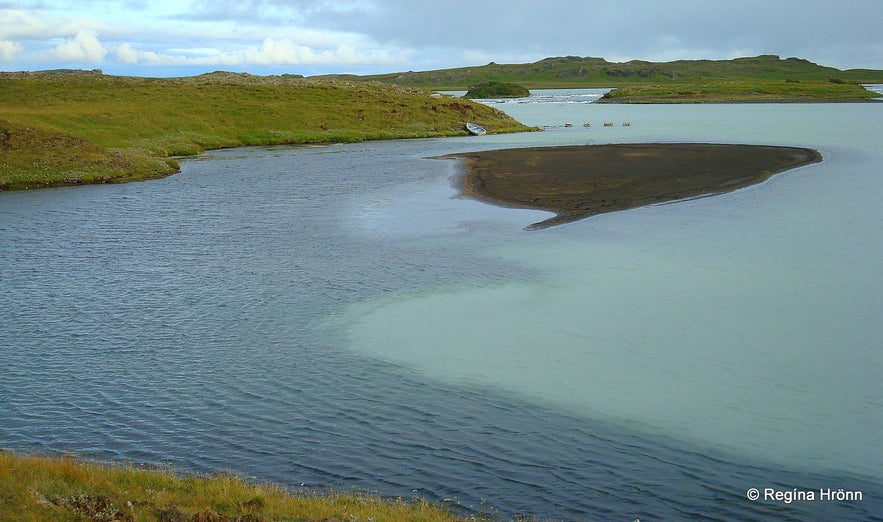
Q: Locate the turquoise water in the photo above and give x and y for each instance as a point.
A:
(338, 316)
(748, 322)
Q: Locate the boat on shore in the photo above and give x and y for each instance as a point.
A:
(475, 129)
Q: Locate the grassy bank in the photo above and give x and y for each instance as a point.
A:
(42, 489)
(756, 91)
(72, 127)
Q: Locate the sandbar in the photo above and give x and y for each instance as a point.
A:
(580, 181)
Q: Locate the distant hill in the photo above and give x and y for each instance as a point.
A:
(575, 71)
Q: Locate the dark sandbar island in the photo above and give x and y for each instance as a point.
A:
(580, 181)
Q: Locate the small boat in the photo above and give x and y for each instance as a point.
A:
(475, 129)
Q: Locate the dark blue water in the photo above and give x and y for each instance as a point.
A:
(194, 321)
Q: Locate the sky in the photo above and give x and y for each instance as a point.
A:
(310, 37)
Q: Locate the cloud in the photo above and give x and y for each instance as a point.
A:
(267, 53)
(9, 50)
(393, 35)
(37, 25)
(500, 30)
(281, 52)
(127, 54)
(274, 12)
(84, 47)
(287, 52)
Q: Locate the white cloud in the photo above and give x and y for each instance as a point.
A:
(84, 47)
(287, 52)
(36, 25)
(276, 52)
(9, 50)
(269, 53)
(478, 57)
(127, 54)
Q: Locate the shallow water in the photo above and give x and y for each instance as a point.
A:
(337, 316)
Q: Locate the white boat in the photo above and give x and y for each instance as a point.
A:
(475, 129)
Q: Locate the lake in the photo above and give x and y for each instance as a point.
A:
(338, 316)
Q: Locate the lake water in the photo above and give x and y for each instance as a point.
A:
(337, 316)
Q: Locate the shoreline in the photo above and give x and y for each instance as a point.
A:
(580, 181)
(67, 487)
(739, 101)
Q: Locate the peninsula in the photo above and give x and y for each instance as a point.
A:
(580, 181)
(77, 127)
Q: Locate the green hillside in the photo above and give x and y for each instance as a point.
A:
(575, 71)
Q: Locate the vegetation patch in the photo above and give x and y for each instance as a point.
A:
(758, 91)
(76, 127)
(35, 157)
(497, 90)
(34, 488)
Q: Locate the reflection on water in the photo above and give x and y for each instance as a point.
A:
(337, 316)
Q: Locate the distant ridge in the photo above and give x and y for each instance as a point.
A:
(576, 71)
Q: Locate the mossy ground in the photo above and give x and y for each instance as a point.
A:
(33, 157)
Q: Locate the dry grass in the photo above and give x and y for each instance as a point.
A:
(36, 488)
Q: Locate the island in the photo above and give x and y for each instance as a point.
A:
(579, 181)
(496, 90)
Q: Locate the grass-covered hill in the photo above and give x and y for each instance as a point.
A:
(758, 78)
(575, 71)
(75, 127)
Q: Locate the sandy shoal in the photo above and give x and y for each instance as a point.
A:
(576, 182)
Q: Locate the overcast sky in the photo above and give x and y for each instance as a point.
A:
(185, 37)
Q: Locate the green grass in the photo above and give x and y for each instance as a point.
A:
(42, 489)
(496, 90)
(125, 128)
(740, 91)
(33, 157)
